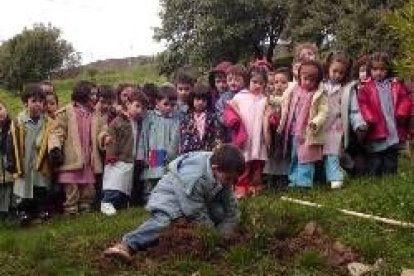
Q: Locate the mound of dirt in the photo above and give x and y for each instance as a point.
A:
(184, 239)
(313, 237)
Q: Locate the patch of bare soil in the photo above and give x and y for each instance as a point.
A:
(313, 237)
(184, 239)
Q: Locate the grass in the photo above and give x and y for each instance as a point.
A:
(71, 246)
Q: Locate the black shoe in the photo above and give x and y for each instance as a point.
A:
(23, 218)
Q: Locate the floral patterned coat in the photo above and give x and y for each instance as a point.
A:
(190, 139)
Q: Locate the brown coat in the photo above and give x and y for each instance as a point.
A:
(122, 148)
(65, 136)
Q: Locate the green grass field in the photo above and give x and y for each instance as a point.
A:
(73, 246)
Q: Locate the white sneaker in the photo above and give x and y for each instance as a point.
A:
(336, 184)
(108, 209)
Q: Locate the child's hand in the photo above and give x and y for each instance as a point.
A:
(111, 160)
(313, 126)
(108, 140)
(361, 132)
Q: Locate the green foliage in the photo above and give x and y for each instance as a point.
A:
(33, 54)
(402, 23)
(349, 25)
(204, 32)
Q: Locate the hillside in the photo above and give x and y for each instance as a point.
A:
(103, 72)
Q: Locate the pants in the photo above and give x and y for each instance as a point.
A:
(78, 197)
(137, 193)
(147, 233)
(333, 170)
(300, 175)
(382, 162)
(35, 205)
(118, 199)
(6, 190)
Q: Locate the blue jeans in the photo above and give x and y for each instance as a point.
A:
(147, 233)
(333, 170)
(116, 198)
(300, 175)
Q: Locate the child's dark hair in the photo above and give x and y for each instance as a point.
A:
(340, 57)
(228, 158)
(106, 92)
(315, 64)
(380, 57)
(150, 90)
(121, 87)
(33, 90)
(239, 70)
(258, 70)
(283, 71)
(184, 78)
(201, 91)
(138, 96)
(166, 91)
(82, 91)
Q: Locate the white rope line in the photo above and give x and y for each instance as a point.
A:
(352, 213)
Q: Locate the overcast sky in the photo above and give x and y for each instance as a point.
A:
(99, 29)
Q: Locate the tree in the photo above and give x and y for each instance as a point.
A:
(33, 54)
(204, 32)
(356, 27)
(401, 22)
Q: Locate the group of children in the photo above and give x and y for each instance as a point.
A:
(112, 146)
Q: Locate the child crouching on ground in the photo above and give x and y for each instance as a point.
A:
(197, 187)
(120, 155)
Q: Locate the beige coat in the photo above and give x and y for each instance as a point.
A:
(317, 115)
(65, 136)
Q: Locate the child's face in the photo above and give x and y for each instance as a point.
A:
(337, 71)
(281, 83)
(225, 178)
(307, 54)
(34, 106)
(105, 105)
(94, 95)
(183, 91)
(3, 113)
(309, 77)
(51, 104)
(235, 82)
(220, 81)
(165, 106)
(200, 104)
(135, 110)
(124, 95)
(362, 73)
(257, 84)
(379, 70)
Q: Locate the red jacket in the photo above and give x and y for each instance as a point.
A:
(233, 121)
(370, 108)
